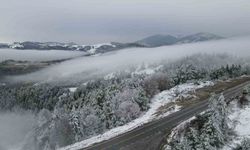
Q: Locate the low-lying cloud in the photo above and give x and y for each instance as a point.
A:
(86, 67)
(35, 55)
(14, 128)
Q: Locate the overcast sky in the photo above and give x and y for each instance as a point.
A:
(97, 21)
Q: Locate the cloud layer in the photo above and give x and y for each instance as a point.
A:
(36, 55)
(87, 67)
(14, 128)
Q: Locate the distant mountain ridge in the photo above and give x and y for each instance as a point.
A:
(199, 37)
(161, 40)
(89, 49)
(158, 40)
(151, 41)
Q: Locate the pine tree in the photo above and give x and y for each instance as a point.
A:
(223, 114)
(185, 144)
(214, 131)
(245, 144)
(211, 135)
(193, 137)
(75, 124)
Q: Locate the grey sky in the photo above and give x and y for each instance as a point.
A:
(95, 21)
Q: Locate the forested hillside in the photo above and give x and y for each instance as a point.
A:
(65, 116)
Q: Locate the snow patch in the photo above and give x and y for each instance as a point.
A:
(241, 118)
(99, 45)
(146, 70)
(240, 121)
(72, 89)
(175, 131)
(16, 45)
(242, 128)
(109, 76)
(96, 46)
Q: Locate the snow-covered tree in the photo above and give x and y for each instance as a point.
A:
(245, 144)
(92, 125)
(208, 131)
(183, 144)
(192, 138)
(128, 111)
(156, 83)
(211, 136)
(214, 131)
(75, 124)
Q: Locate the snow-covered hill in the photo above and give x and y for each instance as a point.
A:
(152, 41)
(89, 49)
(61, 46)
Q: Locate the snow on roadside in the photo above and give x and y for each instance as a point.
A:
(240, 119)
(243, 117)
(72, 89)
(159, 100)
(177, 129)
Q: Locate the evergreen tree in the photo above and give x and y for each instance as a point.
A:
(245, 144)
(214, 131)
(75, 124)
(193, 137)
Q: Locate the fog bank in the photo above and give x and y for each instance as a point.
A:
(36, 55)
(85, 67)
(14, 128)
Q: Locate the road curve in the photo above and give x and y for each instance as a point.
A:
(158, 127)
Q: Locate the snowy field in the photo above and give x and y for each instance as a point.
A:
(159, 100)
(37, 55)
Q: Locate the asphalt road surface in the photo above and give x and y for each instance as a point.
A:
(150, 135)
